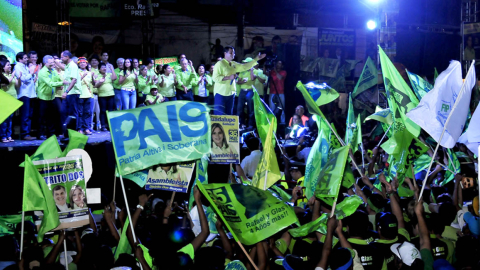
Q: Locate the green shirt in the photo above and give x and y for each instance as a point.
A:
(143, 86)
(95, 74)
(106, 89)
(196, 86)
(248, 84)
(186, 78)
(116, 84)
(71, 72)
(151, 73)
(151, 98)
(168, 89)
(10, 88)
(87, 84)
(59, 89)
(427, 259)
(47, 81)
(189, 250)
(129, 81)
(258, 84)
(224, 68)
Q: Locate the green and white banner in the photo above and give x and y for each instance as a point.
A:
(176, 131)
(170, 177)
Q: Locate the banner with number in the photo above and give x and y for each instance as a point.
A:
(66, 181)
(252, 214)
(225, 139)
(170, 177)
(169, 132)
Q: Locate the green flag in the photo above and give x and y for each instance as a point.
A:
(381, 115)
(309, 102)
(318, 225)
(331, 174)
(8, 223)
(421, 163)
(420, 86)
(263, 118)
(200, 176)
(123, 244)
(454, 167)
(267, 172)
(250, 214)
(357, 139)
(435, 75)
(318, 156)
(76, 141)
(368, 78)
(349, 132)
(49, 149)
(348, 206)
(399, 95)
(280, 193)
(37, 196)
(348, 179)
(139, 177)
(321, 93)
(8, 106)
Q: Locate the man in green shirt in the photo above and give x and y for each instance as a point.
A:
(48, 79)
(73, 87)
(245, 81)
(185, 77)
(224, 75)
(150, 69)
(116, 84)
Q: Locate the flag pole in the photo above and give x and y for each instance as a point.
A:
(333, 208)
(265, 183)
(171, 199)
(445, 128)
(21, 236)
(65, 250)
(128, 209)
(383, 137)
(451, 162)
(114, 183)
(363, 159)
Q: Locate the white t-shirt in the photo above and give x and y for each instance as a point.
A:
(249, 163)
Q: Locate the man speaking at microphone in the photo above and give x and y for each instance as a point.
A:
(224, 74)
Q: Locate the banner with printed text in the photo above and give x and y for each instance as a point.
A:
(225, 139)
(65, 179)
(331, 39)
(170, 132)
(171, 61)
(170, 177)
(252, 214)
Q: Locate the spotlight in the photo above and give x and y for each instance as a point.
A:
(374, 1)
(371, 25)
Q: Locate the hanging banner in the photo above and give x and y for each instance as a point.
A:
(170, 177)
(94, 8)
(65, 178)
(172, 61)
(175, 131)
(224, 139)
(336, 43)
(140, 8)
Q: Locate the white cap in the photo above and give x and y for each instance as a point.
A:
(406, 251)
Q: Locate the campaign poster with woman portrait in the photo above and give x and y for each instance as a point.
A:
(225, 139)
(170, 177)
(66, 181)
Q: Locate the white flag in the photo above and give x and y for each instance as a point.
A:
(471, 137)
(435, 107)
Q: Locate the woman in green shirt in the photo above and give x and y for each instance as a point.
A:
(200, 87)
(167, 83)
(86, 97)
(6, 126)
(145, 82)
(106, 95)
(60, 102)
(127, 81)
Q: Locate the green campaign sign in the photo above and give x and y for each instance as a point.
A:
(331, 175)
(176, 131)
(252, 214)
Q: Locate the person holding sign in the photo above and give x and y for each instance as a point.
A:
(219, 143)
(224, 75)
(77, 197)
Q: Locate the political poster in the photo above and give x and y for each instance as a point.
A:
(225, 139)
(66, 181)
(336, 43)
(170, 132)
(170, 177)
(171, 61)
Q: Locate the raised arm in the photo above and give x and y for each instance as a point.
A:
(422, 226)
(327, 246)
(200, 239)
(225, 242)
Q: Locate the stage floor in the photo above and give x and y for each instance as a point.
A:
(97, 137)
